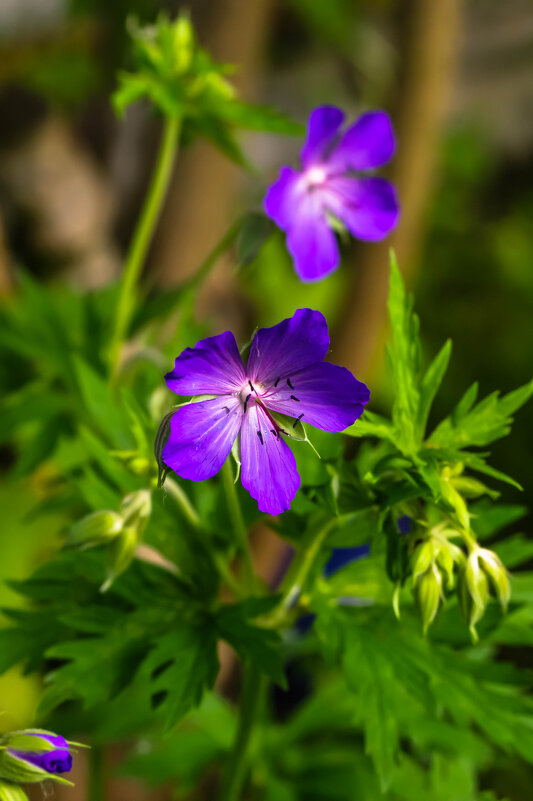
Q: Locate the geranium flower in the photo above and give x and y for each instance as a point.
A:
(306, 203)
(285, 374)
(33, 755)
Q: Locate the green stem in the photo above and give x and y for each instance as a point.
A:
(253, 689)
(143, 235)
(222, 245)
(298, 573)
(239, 526)
(96, 790)
(192, 517)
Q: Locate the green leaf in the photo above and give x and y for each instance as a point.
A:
(101, 405)
(262, 646)
(403, 362)
(259, 118)
(182, 666)
(371, 424)
(489, 420)
(431, 383)
(369, 674)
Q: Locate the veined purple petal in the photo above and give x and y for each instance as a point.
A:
(287, 347)
(268, 469)
(367, 144)
(324, 395)
(212, 367)
(322, 128)
(54, 739)
(310, 240)
(367, 206)
(201, 436)
(282, 197)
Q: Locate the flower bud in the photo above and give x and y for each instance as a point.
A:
(496, 572)
(33, 755)
(121, 555)
(183, 43)
(11, 792)
(95, 528)
(473, 593)
(423, 558)
(428, 595)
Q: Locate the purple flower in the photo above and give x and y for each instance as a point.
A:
(330, 185)
(340, 557)
(404, 524)
(57, 760)
(285, 374)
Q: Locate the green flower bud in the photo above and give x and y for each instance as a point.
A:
(428, 596)
(11, 792)
(423, 558)
(473, 593)
(183, 43)
(121, 555)
(34, 755)
(495, 570)
(95, 528)
(136, 508)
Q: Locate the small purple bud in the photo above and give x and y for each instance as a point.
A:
(404, 524)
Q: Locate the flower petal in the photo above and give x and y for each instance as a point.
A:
(281, 200)
(287, 347)
(324, 122)
(268, 465)
(201, 436)
(324, 395)
(212, 367)
(311, 242)
(367, 144)
(368, 207)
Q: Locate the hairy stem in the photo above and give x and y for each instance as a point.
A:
(253, 689)
(143, 235)
(239, 526)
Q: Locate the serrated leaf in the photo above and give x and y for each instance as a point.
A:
(263, 646)
(182, 665)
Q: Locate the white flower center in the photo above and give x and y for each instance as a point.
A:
(315, 176)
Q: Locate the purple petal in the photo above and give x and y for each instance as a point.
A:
(328, 397)
(268, 465)
(322, 128)
(367, 206)
(287, 347)
(212, 367)
(56, 761)
(281, 200)
(53, 739)
(201, 436)
(310, 240)
(367, 144)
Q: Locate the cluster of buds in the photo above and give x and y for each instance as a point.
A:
(433, 566)
(32, 755)
(483, 571)
(120, 531)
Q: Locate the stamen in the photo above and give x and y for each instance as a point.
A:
(276, 433)
(297, 420)
(226, 408)
(246, 402)
(289, 383)
(260, 437)
(295, 398)
(251, 386)
(276, 382)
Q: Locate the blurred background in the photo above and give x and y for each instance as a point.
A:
(457, 77)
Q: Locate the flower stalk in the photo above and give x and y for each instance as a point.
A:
(142, 237)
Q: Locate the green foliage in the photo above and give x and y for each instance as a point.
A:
(181, 80)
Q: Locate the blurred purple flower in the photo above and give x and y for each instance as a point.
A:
(285, 374)
(330, 185)
(341, 557)
(58, 760)
(404, 524)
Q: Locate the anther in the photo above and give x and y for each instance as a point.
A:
(226, 408)
(289, 383)
(251, 386)
(295, 398)
(276, 382)
(297, 420)
(260, 437)
(246, 401)
(274, 432)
